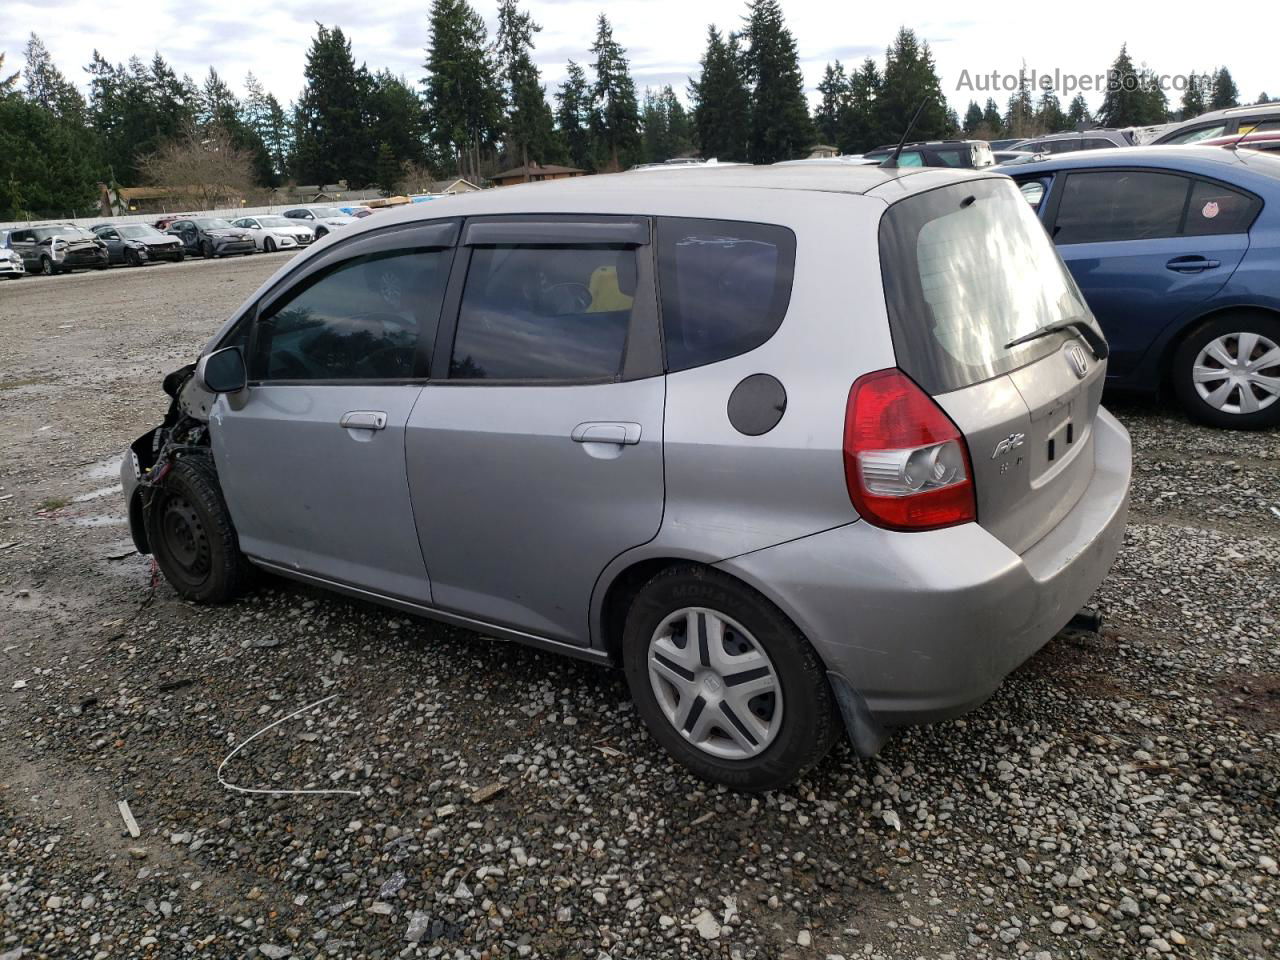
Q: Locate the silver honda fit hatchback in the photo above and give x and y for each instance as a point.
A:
(803, 449)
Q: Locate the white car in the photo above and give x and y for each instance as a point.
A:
(272, 233)
(320, 219)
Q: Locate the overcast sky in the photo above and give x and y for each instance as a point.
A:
(664, 38)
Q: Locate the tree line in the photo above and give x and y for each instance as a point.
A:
(481, 106)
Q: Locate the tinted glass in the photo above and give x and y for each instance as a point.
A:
(359, 320)
(1200, 133)
(953, 158)
(1120, 205)
(1257, 126)
(1033, 192)
(544, 313)
(1037, 147)
(1096, 143)
(138, 230)
(213, 223)
(1064, 146)
(967, 269)
(1215, 209)
(725, 287)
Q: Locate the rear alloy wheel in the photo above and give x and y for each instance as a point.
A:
(191, 536)
(725, 682)
(1227, 373)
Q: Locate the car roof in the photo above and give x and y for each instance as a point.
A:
(1228, 113)
(1223, 164)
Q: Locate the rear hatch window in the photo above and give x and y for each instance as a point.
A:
(968, 268)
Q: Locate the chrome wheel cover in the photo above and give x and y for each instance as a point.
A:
(715, 684)
(1238, 373)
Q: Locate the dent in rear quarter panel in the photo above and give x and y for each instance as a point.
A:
(728, 493)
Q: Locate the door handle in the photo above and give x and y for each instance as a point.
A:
(621, 433)
(1192, 264)
(364, 420)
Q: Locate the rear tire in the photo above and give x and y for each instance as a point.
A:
(789, 728)
(191, 536)
(1226, 373)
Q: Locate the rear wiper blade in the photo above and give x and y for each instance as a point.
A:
(1078, 325)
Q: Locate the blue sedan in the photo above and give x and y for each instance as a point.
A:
(1177, 252)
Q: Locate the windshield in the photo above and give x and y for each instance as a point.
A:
(137, 230)
(276, 222)
(967, 269)
(326, 212)
(212, 223)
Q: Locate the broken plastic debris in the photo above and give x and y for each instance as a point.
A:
(127, 816)
(19, 684)
(418, 922)
(891, 818)
(271, 792)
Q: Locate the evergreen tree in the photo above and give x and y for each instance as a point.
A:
(1078, 115)
(388, 169)
(615, 120)
(972, 118)
(1263, 98)
(48, 165)
(332, 137)
(1125, 103)
(463, 94)
(47, 87)
(1154, 101)
(529, 125)
(1194, 102)
(992, 119)
(9, 84)
(859, 128)
(834, 89)
(721, 103)
(397, 120)
(1020, 118)
(573, 117)
(1225, 93)
(679, 125)
(1049, 115)
(780, 125)
(911, 78)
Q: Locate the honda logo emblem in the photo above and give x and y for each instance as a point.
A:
(1078, 360)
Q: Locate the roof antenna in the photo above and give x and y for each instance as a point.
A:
(892, 159)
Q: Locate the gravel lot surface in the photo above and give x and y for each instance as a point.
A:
(1116, 798)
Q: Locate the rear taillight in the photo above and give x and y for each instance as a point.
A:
(905, 463)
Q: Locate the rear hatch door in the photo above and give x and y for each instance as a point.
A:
(967, 270)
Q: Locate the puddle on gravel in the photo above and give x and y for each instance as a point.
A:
(99, 521)
(103, 470)
(96, 494)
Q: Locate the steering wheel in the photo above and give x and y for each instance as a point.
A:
(565, 298)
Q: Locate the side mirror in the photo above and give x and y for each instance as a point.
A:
(222, 371)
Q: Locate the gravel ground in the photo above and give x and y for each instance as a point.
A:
(1116, 798)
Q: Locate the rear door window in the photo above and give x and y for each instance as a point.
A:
(545, 313)
(1064, 146)
(358, 320)
(1215, 209)
(968, 268)
(725, 287)
(1198, 134)
(1107, 205)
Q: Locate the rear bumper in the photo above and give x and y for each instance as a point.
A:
(924, 626)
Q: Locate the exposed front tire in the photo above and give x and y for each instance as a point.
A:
(206, 250)
(131, 259)
(321, 233)
(47, 268)
(268, 245)
(725, 682)
(191, 536)
(1226, 373)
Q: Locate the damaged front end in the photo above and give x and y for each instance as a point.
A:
(184, 432)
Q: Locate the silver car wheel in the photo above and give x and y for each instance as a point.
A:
(1230, 373)
(715, 684)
